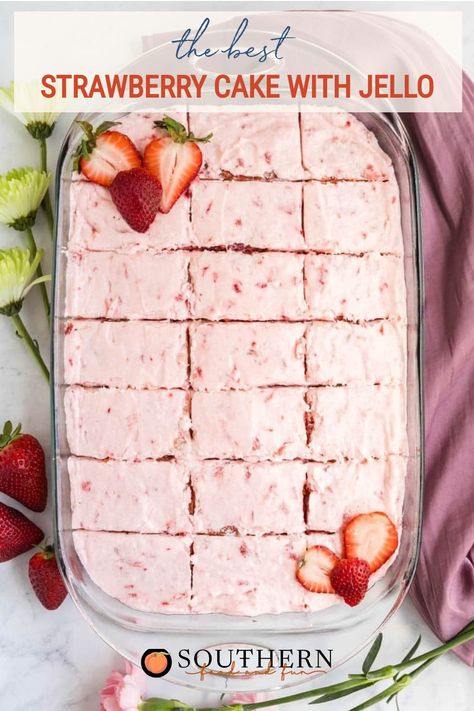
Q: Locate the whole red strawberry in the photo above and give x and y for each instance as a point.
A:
(22, 468)
(17, 533)
(46, 578)
(137, 195)
(350, 579)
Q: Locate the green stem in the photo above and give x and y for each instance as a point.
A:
(387, 672)
(43, 154)
(322, 691)
(464, 636)
(31, 345)
(46, 204)
(30, 240)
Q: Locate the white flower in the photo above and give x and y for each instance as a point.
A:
(17, 271)
(21, 192)
(39, 125)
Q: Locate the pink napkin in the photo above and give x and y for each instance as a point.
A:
(443, 589)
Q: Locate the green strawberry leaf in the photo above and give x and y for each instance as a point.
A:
(178, 133)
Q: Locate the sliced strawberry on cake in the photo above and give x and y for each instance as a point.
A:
(314, 569)
(103, 153)
(372, 537)
(174, 160)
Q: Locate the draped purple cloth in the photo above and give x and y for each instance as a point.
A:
(443, 589)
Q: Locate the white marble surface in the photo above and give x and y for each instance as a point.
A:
(52, 661)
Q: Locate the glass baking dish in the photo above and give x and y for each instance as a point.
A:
(342, 629)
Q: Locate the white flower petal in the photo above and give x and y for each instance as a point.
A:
(7, 102)
(21, 193)
(17, 271)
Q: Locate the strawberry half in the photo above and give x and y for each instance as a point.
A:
(17, 533)
(22, 468)
(46, 579)
(314, 569)
(137, 196)
(174, 160)
(350, 579)
(372, 537)
(103, 153)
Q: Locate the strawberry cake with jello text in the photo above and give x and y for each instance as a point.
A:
(235, 361)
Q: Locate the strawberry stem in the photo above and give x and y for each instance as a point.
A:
(178, 133)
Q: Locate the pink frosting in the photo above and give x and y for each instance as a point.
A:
(340, 490)
(268, 423)
(125, 424)
(134, 286)
(144, 497)
(259, 498)
(149, 573)
(236, 213)
(260, 287)
(257, 566)
(244, 355)
(341, 353)
(353, 217)
(236, 375)
(337, 145)
(97, 225)
(250, 144)
(357, 421)
(125, 354)
(354, 288)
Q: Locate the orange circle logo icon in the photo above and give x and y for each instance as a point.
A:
(156, 662)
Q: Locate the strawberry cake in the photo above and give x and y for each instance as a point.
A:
(235, 361)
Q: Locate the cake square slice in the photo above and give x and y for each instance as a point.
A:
(97, 225)
(253, 575)
(336, 145)
(125, 424)
(341, 490)
(250, 144)
(257, 214)
(246, 575)
(357, 421)
(245, 355)
(131, 286)
(266, 423)
(124, 354)
(148, 572)
(354, 288)
(247, 287)
(142, 497)
(353, 217)
(340, 353)
(259, 498)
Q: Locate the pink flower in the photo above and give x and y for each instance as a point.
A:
(248, 698)
(244, 698)
(123, 691)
